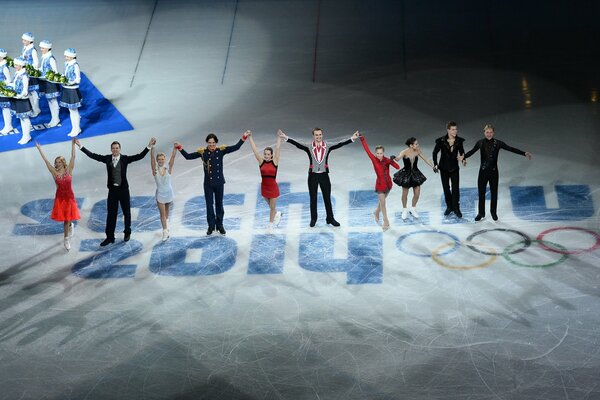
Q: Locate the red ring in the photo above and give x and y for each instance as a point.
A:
(540, 237)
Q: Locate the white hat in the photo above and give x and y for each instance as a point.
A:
(19, 61)
(70, 52)
(28, 36)
(2, 53)
(45, 44)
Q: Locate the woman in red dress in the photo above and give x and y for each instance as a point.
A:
(383, 184)
(268, 162)
(65, 207)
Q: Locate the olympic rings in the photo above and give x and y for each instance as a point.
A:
(455, 239)
(563, 250)
(436, 258)
(487, 250)
(526, 241)
(542, 244)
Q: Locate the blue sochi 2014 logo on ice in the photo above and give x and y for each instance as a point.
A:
(362, 264)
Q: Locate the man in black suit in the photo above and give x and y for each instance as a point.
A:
(488, 170)
(118, 188)
(450, 146)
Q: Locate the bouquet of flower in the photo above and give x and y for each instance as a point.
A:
(31, 71)
(9, 62)
(6, 91)
(56, 77)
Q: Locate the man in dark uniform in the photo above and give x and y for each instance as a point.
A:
(214, 180)
(488, 171)
(451, 146)
(118, 187)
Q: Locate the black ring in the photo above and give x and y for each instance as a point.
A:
(526, 241)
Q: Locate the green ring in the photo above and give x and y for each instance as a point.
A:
(506, 254)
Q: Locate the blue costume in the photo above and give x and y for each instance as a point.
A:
(5, 78)
(50, 90)
(21, 107)
(214, 181)
(71, 96)
(28, 55)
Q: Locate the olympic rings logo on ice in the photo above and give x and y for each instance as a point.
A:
(439, 254)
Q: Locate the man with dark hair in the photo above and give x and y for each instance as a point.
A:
(451, 146)
(488, 171)
(118, 187)
(318, 171)
(214, 180)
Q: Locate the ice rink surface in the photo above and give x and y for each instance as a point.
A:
(434, 308)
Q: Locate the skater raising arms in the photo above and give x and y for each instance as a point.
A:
(65, 208)
(268, 163)
(383, 184)
(164, 190)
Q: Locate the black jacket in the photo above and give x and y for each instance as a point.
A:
(448, 161)
(107, 159)
(489, 152)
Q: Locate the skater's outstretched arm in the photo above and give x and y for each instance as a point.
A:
(50, 167)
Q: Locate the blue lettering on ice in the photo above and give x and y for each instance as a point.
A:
(574, 203)
(194, 212)
(40, 211)
(287, 198)
(218, 255)
(267, 253)
(362, 203)
(104, 265)
(469, 199)
(364, 263)
(148, 218)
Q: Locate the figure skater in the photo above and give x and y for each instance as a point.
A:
(65, 208)
(164, 190)
(268, 163)
(383, 184)
(450, 146)
(488, 170)
(117, 185)
(318, 171)
(410, 176)
(214, 180)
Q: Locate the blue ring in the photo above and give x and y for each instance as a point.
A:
(450, 250)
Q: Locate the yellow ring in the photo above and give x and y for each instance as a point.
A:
(436, 258)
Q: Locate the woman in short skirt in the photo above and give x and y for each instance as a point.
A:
(21, 107)
(48, 89)
(383, 184)
(71, 97)
(5, 101)
(268, 162)
(30, 56)
(410, 176)
(164, 191)
(65, 208)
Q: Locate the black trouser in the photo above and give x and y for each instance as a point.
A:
(213, 194)
(116, 195)
(488, 176)
(314, 181)
(452, 196)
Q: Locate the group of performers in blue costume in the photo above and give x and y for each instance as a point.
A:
(449, 147)
(28, 89)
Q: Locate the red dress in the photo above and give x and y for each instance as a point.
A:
(382, 169)
(268, 187)
(65, 206)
